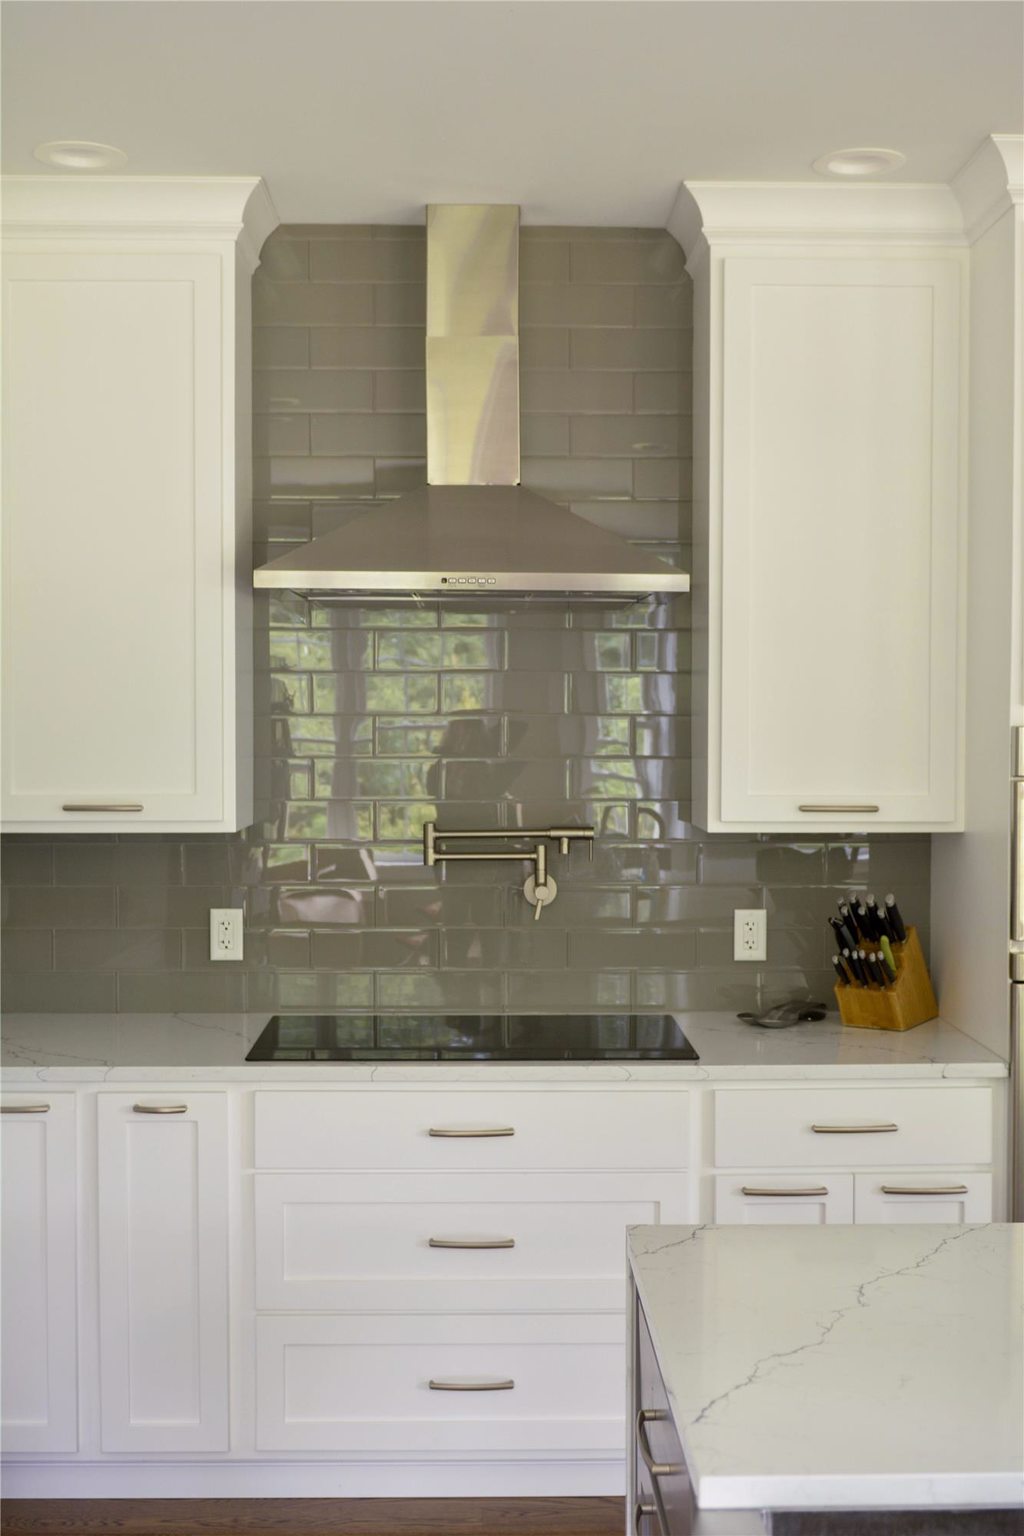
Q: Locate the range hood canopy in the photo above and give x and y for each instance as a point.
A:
(473, 530)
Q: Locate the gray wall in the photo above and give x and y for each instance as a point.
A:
(371, 721)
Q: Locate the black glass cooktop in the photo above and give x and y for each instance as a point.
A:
(477, 1037)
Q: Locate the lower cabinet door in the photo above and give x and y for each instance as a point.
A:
(480, 1242)
(533, 1383)
(163, 1271)
(38, 1272)
(896, 1198)
(804, 1199)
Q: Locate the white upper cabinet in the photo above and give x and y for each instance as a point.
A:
(829, 507)
(127, 445)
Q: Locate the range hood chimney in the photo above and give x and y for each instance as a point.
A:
(473, 530)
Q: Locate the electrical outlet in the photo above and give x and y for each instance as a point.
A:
(226, 933)
(750, 934)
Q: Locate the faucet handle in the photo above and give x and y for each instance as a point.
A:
(539, 894)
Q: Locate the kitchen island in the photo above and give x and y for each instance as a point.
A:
(783, 1375)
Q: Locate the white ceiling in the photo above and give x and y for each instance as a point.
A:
(583, 111)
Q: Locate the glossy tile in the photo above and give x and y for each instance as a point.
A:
(368, 261)
(119, 949)
(613, 260)
(575, 303)
(25, 992)
(551, 391)
(304, 389)
(23, 863)
(365, 347)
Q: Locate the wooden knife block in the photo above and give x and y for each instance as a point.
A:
(908, 1002)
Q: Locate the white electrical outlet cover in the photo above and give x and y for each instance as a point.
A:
(226, 929)
(750, 934)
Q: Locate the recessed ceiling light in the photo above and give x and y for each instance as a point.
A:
(859, 162)
(79, 155)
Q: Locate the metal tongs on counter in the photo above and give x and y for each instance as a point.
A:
(540, 888)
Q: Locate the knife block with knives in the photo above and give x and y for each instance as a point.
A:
(909, 1000)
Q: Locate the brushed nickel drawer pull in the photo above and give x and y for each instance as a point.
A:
(640, 1513)
(495, 1130)
(24, 1109)
(160, 1109)
(842, 810)
(748, 1189)
(471, 1242)
(107, 809)
(655, 1468)
(450, 1384)
(851, 1130)
(931, 1189)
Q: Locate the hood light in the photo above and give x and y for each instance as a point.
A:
(79, 155)
(859, 162)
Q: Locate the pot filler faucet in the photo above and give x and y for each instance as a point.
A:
(540, 889)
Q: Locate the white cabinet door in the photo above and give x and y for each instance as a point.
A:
(38, 1272)
(834, 627)
(763, 1199)
(163, 1271)
(902, 1198)
(127, 644)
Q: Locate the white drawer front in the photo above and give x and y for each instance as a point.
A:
(935, 1197)
(759, 1199)
(363, 1384)
(848, 1127)
(334, 1241)
(454, 1130)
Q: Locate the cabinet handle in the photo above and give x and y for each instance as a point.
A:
(843, 810)
(851, 1130)
(106, 809)
(495, 1130)
(930, 1189)
(640, 1514)
(748, 1189)
(160, 1109)
(24, 1109)
(471, 1242)
(451, 1384)
(655, 1468)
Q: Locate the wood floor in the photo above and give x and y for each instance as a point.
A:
(312, 1517)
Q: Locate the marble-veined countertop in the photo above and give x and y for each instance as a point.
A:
(841, 1367)
(211, 1047)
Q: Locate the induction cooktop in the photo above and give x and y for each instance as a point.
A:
(475, 1037)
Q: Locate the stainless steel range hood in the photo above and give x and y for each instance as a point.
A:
(473, 530)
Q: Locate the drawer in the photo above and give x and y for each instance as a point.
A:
(848, 1127)
(414, 1241)
(358, 1384)
(452, 1130)
(903, 1198)
(777, 1199)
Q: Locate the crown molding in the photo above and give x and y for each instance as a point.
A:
(805, 212)
(991, 182)
(180, 208)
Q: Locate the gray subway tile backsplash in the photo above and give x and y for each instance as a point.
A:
(370, 721)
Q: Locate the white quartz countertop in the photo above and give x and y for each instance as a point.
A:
(211, 1047)
(841, 1367)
